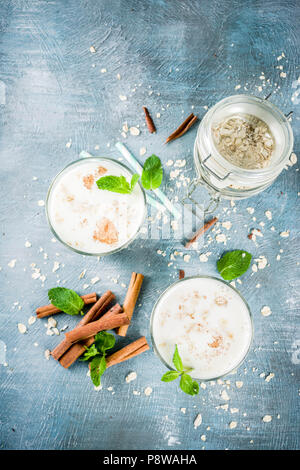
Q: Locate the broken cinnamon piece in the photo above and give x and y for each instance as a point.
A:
(183, 128)
(201, 231)
(50, 309)
(181, 274)
(106, 232)
(112, 319)
(131, 299)
(128, 352)
(149, 121)
(93, 314)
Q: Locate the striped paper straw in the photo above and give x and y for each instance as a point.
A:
(138, 168)
(153, 202)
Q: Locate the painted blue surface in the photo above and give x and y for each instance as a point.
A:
(187, 53)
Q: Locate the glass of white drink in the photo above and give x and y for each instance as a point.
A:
(89, 220)
(210, 323)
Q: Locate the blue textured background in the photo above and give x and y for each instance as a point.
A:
(188, 53)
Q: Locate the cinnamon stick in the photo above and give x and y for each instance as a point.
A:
(75, 351)
(93, 314)
(50, 309)
(183, 128)
(131, 299)
(201, 231)
(181, 274)
(112, 319)
(149, 121)
(130, 351)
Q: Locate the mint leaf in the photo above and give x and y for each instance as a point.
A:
(117, 184)
(233, 264)
(134, 180)
(171, 375)
(66, 300)
(104, 341)
(89, 353)
(97, 367)
(152, 173)
(96, 352)
(188, 385)
(177, 360)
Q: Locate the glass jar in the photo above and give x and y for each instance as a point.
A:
(218, 175)
(101, 161)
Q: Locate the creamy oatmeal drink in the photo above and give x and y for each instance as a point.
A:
(210, 323)
(90, 220)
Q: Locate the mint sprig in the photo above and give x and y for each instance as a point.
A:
(233, 264)
(96, 353)
(66, 300)
(152, 173)
(117, 184)
(187, 384)
(151, 178)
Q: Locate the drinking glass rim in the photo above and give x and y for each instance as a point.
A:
(127, 243)
(259, 101)
(155, 348)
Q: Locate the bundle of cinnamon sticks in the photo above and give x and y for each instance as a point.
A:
(97, 319)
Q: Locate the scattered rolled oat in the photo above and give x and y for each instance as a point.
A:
(12, 263)
(123, 97)
(41, 203)
(92, 50)
(239, 384)
(227, 225)
(234, 410)
(293, 159)
(266, 311)
(22, 328)
(221, 238)
(31, 320)
(268, 214)
(56, 266)
(183, 410)
(52, 323)
(134, 131)
(197, 421)
(269, 377)
(233, 424)
(142, 151)
(27, 244)
(47, 354)
(130, 377)
(267, 419)
(148, 391)
(285, 234)
(224, 395)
